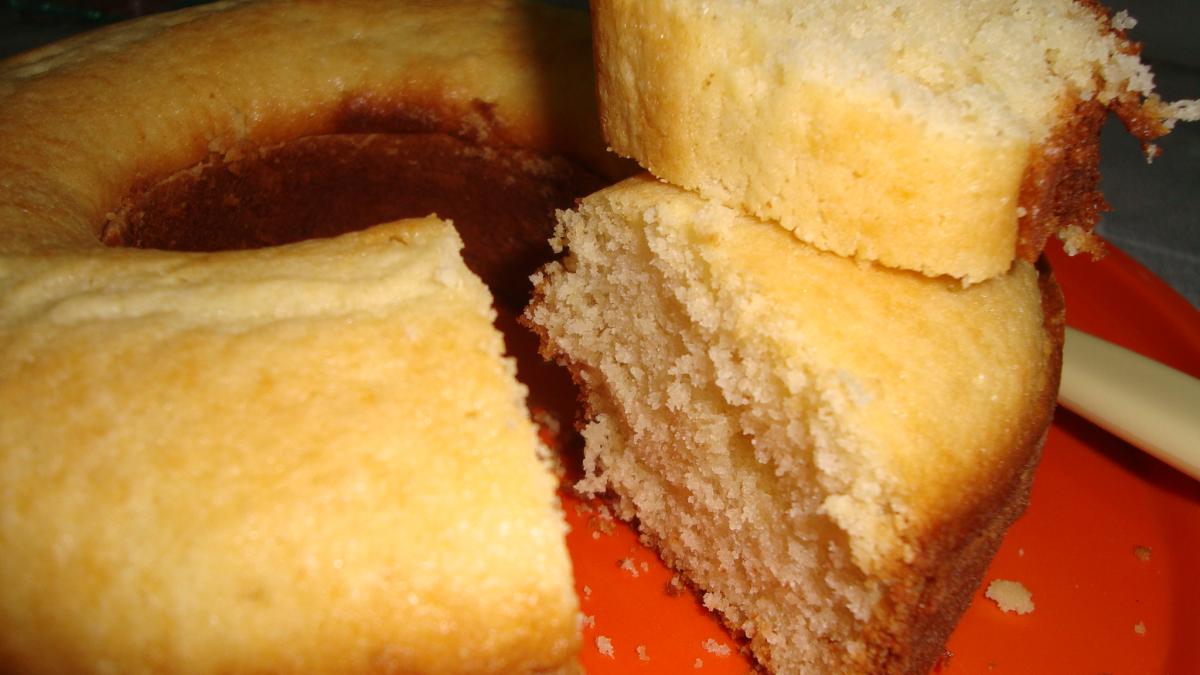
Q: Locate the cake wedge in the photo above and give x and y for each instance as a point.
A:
(307, 458)
(945, 138)
(830, 450)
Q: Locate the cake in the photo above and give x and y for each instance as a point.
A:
(226, 450)
(947, 139)
(308, 458)
(829, 450)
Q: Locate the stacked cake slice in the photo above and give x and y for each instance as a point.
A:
(936, 137)
(828, 426)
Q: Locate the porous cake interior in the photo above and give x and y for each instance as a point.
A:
(761, 461)
(736, 530)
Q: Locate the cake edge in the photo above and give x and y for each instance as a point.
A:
(951, 564)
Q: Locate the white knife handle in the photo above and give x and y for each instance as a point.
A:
(1153, 406)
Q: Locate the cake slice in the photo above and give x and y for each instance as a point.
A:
(830, 450)
(312, 458)
(947, 139)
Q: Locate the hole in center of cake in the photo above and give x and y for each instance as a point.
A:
(502, 200)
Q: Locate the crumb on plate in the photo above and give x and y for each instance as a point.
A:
(628, 566)
(1010, 596)
(713, 647)
(675, 586)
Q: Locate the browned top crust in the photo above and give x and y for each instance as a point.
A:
(83, 129)
(937, 587)
(1060, 191)
(1061, 186)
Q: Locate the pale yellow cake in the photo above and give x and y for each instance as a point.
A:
(830, 450)
(86, 122)
(307, 459)
(948, 138)
(311, 458)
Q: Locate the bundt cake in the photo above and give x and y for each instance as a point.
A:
(312, 457)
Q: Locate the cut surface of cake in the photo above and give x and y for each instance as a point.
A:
(310, 458)
(943, 138)
(830, 450)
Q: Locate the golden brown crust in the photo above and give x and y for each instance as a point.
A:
(1061, 186)
(929, 595)
(1060, 190)
(1142, 116)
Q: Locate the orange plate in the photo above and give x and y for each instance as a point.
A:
(1095, 500)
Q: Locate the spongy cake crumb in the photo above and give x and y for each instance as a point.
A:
(1010, 596)
(1122, 21)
